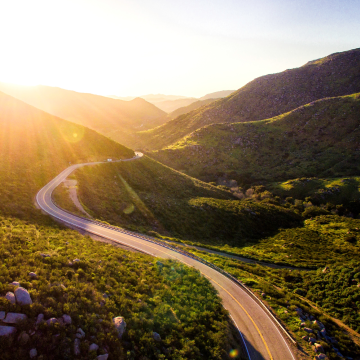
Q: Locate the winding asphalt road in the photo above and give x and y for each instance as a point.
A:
(263, 339)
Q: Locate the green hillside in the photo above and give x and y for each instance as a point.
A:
(165, 297)
(265, 97)
(114, 118)
(36, 146)
(319, 139)
(146, 196)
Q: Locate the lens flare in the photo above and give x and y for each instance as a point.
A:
(234, 353)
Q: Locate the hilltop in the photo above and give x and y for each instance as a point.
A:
(36, 146)
(265, 97)
(217, 94)
(318, 139)
(111, 117)
(193, 106)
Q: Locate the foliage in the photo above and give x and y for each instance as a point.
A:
(146, 196)
(36, 146)
(265, 97)
(318, 139)
(166, 297)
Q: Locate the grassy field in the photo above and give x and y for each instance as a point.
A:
(265, 97)
(319, 139)
(164, 297)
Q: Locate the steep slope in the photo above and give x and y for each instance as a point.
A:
(265, 97)
(36, 146)
(318, 139)
(111, 117)
(193, 106)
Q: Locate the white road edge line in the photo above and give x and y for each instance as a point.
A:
(242, 336)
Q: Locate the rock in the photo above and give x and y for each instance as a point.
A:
(318, 348)
(299, 311)
(22, 296)
(306, 338)
(40, 318)
(308, 330)
(77, 347)
(120, 325)
(52, 321)
(156, 336)
(103, 357)
(23, 338)
(11, 297)
(45, 255)
(323, 332)
(326, 269)
(321, 357)
(33, 353)
(318, 323)
(76, 260)
(80, 333)
(63, 286)
(263, 295)
(15, 283)
(93, 347)
(312, 340)
(67, 319)
(32, 275)
(2, 315)
(13, 318)
(302, 324)
(7, 330)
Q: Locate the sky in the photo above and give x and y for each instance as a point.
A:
(183, 47)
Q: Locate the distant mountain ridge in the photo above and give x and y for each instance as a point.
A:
(265, 97)
(35, 146)
(113, 118)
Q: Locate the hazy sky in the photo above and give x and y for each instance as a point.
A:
(183, 47)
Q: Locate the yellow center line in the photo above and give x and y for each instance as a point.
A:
(141, 242)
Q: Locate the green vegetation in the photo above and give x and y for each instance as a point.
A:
(146, 196)
(265, 97)
(36, 146)
(332, 293)
(318, 139)
(166, 297)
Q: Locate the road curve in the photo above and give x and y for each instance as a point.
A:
(263, 339)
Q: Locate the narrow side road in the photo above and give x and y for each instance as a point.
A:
(263, 339)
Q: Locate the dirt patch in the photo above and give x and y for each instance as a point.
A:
(72, 190)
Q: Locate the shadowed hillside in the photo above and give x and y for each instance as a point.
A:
(111, 117)
(36, 146)
(265, 97)
(321, 138)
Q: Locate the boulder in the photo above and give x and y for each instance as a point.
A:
(11, 297)
(312, 340)
(40, 318)
(22, 296)
(306, 338)
(15, 283)
(13, 318)
(2, 315)
(52, 321)
(80, 333)
(23, 338)
(120, 325)
(76, 260)
(32, 275)
(67, 319)
(77, 347)
(7, 330)
(318, 348)
(33, 353)
(156, 336)
(308, 330)
(321, 357)
(103, 357)
(93, 347)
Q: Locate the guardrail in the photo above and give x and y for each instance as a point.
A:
(188, 254)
